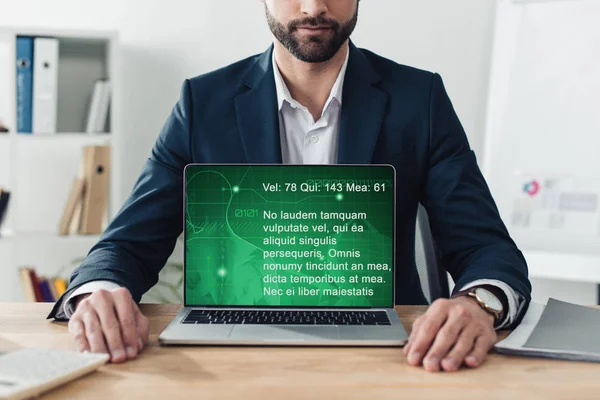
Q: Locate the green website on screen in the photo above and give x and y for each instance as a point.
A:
(289, 235)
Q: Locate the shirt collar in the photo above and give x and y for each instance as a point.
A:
(284, 95)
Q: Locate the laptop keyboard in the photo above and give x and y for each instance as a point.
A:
(295, 317)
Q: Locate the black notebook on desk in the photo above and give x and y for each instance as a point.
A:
(558, 330)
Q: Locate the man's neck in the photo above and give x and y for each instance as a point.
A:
(309, 83)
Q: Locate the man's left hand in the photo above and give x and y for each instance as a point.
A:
(450, 334)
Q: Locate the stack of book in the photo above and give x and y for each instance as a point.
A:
(37, 89)
(87, 203)
(41, 289)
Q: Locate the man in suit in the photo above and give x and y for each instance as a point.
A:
(314, 97)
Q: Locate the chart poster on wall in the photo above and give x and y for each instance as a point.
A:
(556, 204)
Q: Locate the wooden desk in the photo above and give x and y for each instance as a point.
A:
(292, 373)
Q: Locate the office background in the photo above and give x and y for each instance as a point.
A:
(162, 43)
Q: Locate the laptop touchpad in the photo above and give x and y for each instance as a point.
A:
(283, 332)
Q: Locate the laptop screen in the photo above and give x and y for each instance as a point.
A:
(289, 235)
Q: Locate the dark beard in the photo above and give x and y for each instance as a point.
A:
(315, 49)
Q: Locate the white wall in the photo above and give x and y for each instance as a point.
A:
(583, 293)
(164, 42)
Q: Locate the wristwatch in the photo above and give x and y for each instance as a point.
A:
(486, 300)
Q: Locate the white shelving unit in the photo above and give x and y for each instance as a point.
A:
(38, 170)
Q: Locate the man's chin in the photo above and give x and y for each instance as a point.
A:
(313, 49)
(323, 37)
(316, 56)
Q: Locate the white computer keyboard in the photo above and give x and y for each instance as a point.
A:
(29, 372)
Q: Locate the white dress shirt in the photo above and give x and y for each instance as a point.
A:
(306, 141)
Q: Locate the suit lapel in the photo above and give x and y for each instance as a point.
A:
(256, 112)
(363, 111)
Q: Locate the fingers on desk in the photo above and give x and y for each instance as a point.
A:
(483, 344)
(105, 307)
(78, 331)
(448, 336)
(110, 322)
(125, 308)
(424, 332)
(93, 330)
(142, 326)
(455, 328)
(463, 345)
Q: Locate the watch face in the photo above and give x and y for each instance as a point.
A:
(489, 299)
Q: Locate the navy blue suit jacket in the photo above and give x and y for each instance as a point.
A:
(391, 114)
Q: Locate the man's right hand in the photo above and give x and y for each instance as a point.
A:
(109, 322)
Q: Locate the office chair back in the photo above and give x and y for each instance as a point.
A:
(433, 277)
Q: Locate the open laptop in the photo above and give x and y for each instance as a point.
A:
(288, 255)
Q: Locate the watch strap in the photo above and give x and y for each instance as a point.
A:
(496, 291)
